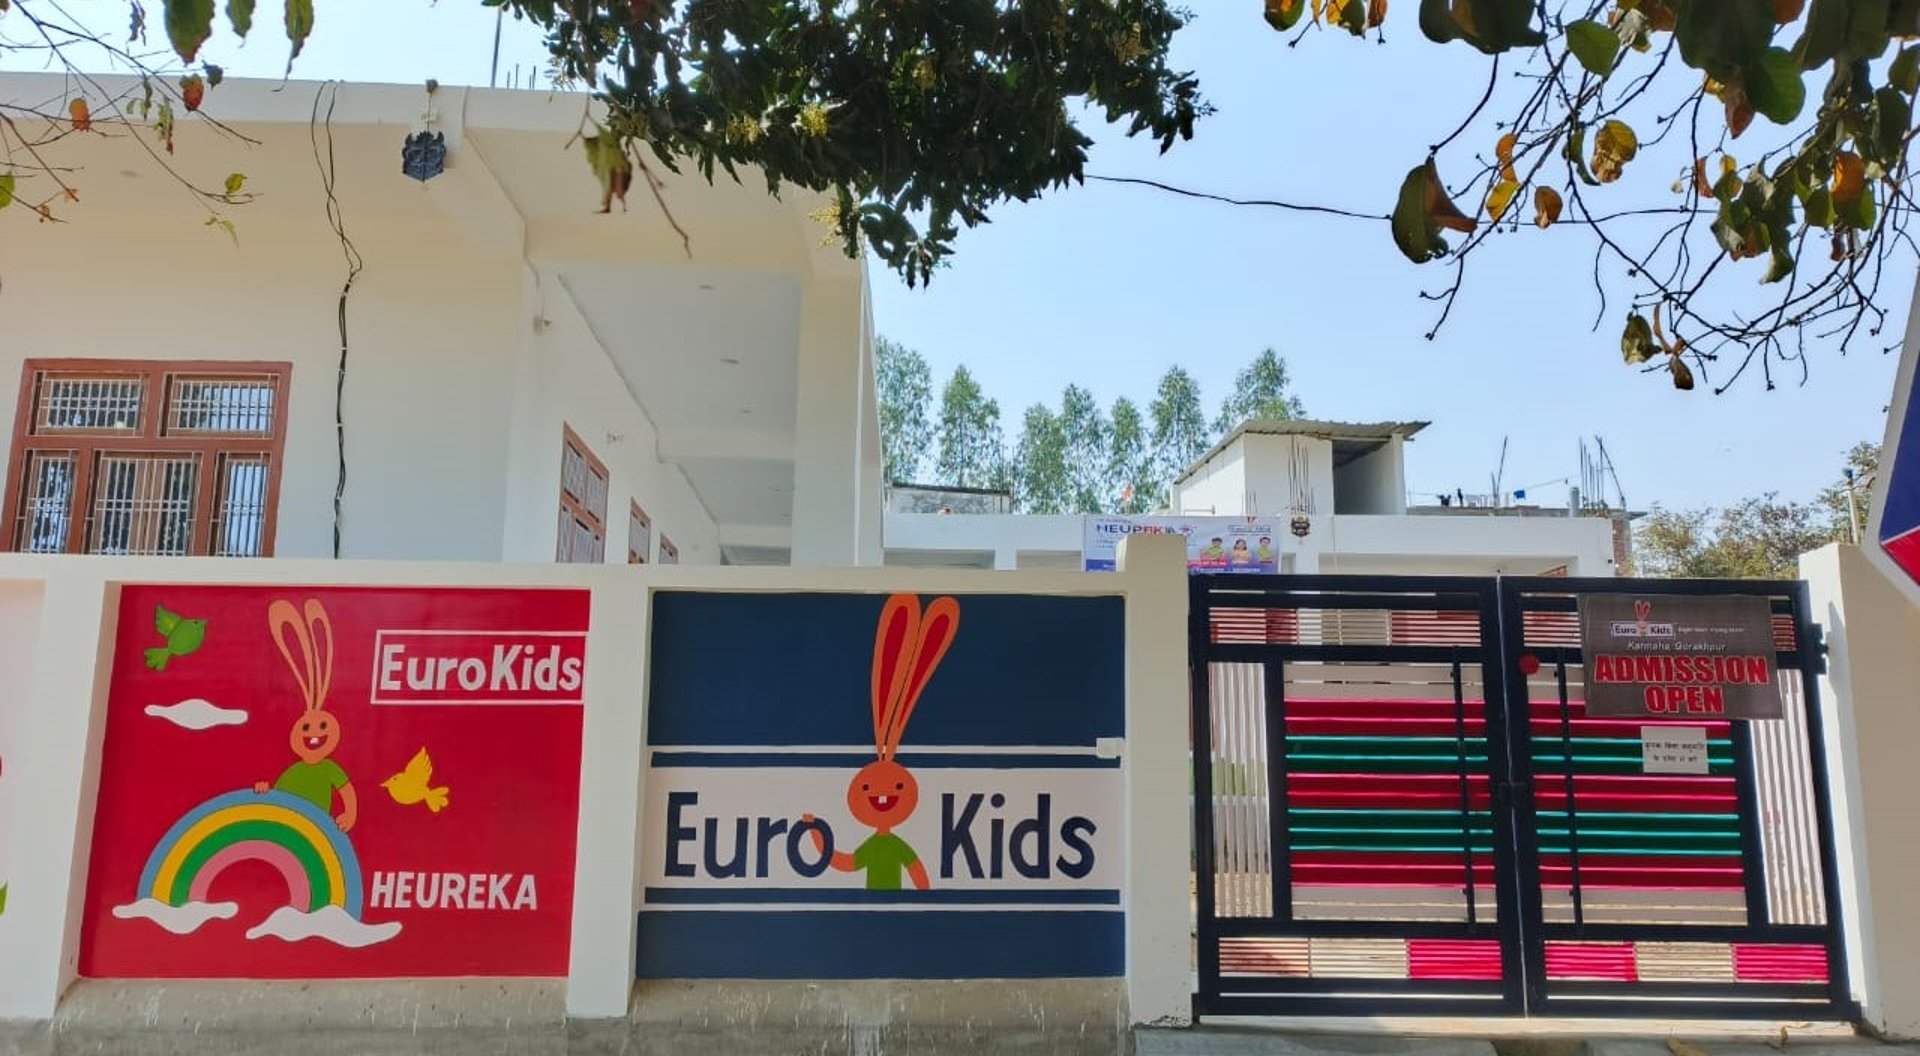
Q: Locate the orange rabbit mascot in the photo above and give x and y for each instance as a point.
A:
(313, 776)
(883, 795)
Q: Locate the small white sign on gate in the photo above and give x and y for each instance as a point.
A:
(1673, 749)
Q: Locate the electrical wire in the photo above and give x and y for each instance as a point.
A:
(324, 161)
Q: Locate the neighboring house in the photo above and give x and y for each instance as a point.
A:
(1338, 493)
(523, 380)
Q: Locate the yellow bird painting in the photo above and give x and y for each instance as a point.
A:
(409, 786)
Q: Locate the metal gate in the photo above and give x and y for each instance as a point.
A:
(1402, 807)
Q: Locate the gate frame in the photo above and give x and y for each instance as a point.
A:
(1697, 1000)
(1521, 930)
(1392, 593)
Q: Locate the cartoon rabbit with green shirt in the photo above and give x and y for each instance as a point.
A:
(882, 796)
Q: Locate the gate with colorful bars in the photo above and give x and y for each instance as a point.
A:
(1406, 810)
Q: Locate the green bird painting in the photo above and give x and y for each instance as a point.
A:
(184, 637)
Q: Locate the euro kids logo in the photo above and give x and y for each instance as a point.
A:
(1641, 626)
(992, 824)
(478, 667)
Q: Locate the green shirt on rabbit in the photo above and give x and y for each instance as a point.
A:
(884, 856)
(313, 782)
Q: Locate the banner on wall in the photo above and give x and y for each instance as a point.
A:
(895, 787)
(1679, 657)
(303, 783)
(1214, 544)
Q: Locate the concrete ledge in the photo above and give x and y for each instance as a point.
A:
(205, 1018)
(750, 1018)
(1228, 1041)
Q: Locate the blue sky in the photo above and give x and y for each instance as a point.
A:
(1108, 285)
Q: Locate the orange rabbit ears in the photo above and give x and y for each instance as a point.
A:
(906, 649)
(313, 636)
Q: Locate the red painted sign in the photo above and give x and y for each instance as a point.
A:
(303, 783)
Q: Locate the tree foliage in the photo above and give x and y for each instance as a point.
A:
(1131, 476)
(1818, 207)
(1261, 392)
(919, 116)
(32, 174)
(904, 387)
(1180, 434)
(971, 453)
(1041, 482)
(1757, 538)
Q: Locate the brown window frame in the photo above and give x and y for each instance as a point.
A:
(638, 516)
(149, 438)
(575, 506)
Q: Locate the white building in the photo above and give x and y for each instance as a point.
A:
(178, 387)
(1343, 483)
(523, 379)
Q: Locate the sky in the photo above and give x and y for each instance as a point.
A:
(1107, 285)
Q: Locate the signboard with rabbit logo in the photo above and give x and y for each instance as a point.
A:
(338, 783)
(891, 787)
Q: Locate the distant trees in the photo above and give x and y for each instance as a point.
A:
(1077, 457)
(1756, 538)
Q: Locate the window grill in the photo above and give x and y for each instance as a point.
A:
(639, 535)
(146, 457)
(46, 504)
(234, 406)
(71, 402)
(240, 514)
(582, 535)
(144, 504)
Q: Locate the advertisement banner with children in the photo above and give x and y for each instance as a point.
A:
(304, 783)
(1214, 544)
(896, 786)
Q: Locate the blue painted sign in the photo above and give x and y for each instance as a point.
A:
(846, 786)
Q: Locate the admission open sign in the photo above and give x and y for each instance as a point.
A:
(1679, 657)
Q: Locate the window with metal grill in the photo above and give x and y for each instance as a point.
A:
(639, 534)
(583, 503)
(146, 457)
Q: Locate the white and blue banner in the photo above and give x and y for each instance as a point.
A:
(1214, 544)
(863, 786)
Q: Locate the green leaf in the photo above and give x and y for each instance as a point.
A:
(1826, 33)
(164, 621)
(1819, 208)
(1353, 17)
(1414, 229)
(1904, 74)
(1636, 342)
(1860, 213)
(1493, 26)
(1594, 45)
(1285, 14)
(6, 189)
(1890, 118)
(235, 181)
(215, 75)
(189, 24)
(1781, 265)
(299, 25)
(240, 14)
(226, 225)
(1774, 86)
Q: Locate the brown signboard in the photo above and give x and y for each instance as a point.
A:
(1679, 657)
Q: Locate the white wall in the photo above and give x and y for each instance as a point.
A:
(68, 604)
(1867, 698)
(567, 379)
(1375, 482)
(434, 327)
(1217, 487)
(1270, 477)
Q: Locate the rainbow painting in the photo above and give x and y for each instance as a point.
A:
(284, 831)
